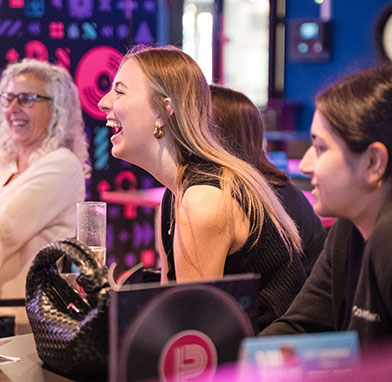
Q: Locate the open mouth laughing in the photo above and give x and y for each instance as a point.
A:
(18, 123)
(115, 126)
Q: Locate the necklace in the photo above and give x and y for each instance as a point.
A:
(12, 177)
(171, 226)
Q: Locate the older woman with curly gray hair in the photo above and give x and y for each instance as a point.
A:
(43, 154)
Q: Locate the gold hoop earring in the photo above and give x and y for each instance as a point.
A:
(158, 131)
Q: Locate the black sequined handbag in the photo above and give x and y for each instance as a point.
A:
(70, 326)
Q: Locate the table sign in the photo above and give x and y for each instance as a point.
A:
(301, 357)
(180, 332)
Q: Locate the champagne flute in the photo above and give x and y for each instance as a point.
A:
(91, 227)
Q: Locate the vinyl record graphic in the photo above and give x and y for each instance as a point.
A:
(94, 76)
(185, 332)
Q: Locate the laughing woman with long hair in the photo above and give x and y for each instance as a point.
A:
(219, 215)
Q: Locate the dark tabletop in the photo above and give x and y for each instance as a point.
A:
(29, 367)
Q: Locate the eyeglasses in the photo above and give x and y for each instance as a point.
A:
(24, 99)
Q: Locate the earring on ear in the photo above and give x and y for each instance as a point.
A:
(158, 130)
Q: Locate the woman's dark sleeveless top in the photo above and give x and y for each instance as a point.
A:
(282, 275)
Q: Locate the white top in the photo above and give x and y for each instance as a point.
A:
(36, 208)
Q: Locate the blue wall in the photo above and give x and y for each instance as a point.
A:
(353, 24)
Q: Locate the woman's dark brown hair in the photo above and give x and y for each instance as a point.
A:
(359, 109)
(241, 130)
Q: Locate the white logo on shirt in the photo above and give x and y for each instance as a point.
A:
(365, 314)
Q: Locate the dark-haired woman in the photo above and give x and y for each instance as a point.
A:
(241, 131)
(350, 287)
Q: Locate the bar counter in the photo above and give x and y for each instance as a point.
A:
(29, 367)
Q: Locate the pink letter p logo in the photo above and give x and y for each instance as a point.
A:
(189, 356)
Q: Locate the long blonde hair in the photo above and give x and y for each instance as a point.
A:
(172, 74)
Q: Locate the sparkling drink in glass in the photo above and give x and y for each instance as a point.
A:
(91, 227)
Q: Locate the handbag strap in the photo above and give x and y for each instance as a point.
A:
(92, 275)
